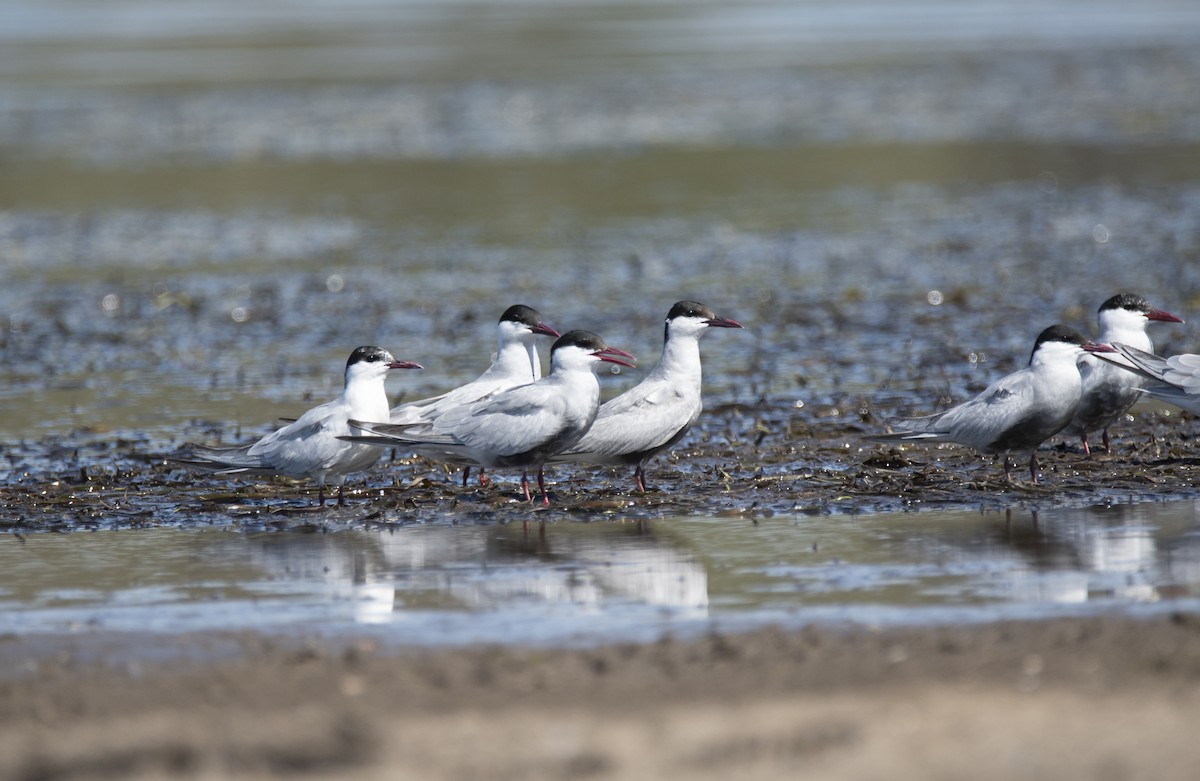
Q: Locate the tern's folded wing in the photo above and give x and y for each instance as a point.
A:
(1174, 395)
(627, 426)
(512, 424)
(1138, 361)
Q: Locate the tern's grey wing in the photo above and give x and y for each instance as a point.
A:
(1176, 379)
(512, 423)
(277, 452)
(303, 427)
(284, 451)
(1176, 396)
(310, 444)
(976, 423)
(224, 460)
(419, 411)
(1138, 361)
(985, 418)
(396, 434)
(429, 410)
(635, 423)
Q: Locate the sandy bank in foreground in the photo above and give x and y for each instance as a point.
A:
(1104, 698)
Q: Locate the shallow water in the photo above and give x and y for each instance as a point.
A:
(608, 581)
(202, 213)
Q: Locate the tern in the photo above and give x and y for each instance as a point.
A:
(309, 447)
(516, 363)
(656, 413)
(1017, 413)
(1109, 390)
(1176, 379)
(522, 426)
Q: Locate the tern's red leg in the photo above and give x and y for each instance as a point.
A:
(639, 478)
(1106, 447)
(542, 485)
(525, 485)
(1087, 451)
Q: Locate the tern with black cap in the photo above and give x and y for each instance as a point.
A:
(1108, 391)
(310, 446)
(657, 412)
(520, 427)
(516, 363)
(1018, 412)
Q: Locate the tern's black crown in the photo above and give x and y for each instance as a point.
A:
(586, 340)
(519, 313)
(368, 354)
(1058, 333)
(1130, 301)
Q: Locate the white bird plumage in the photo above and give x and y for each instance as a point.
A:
(1016, 413)
(1176, 380)
(516, 363)
(309, 447)
(522, 426)
(657, 412)
(1107, 390)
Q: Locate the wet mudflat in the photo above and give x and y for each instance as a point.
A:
(1115, 693)
(200, 221)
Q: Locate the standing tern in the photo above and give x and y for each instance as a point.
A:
(654, 414)
(1017, 413)
(309, 447)
(516, 363)
(522, 426)
(1176, 379)
(1108, 390)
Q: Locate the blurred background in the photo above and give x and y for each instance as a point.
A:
(205, 205)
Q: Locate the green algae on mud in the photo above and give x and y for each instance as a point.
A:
(740, 462)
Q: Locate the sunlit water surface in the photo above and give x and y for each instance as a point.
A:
(607, 581)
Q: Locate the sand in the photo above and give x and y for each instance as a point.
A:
(1102, 697)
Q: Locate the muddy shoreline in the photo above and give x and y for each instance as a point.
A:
(1106, 697)
(741, 462)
